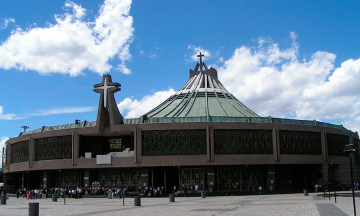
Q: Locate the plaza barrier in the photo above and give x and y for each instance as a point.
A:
(137, 201)
(54, 197)
(3, 199)
(172, 197)
(34, 209)
(306, 192)
(202, 194)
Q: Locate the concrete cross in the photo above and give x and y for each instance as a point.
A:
(201, 63)
(105, 86)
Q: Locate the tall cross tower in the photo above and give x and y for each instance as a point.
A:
(201, 63)
(108, 112)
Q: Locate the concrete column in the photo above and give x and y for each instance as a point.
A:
(208, 147)
(351, 139)
(276, 143)
(31, 152)
(212, 145)
(137, 145)
(8, 156)
(75, 148)
(324, 148)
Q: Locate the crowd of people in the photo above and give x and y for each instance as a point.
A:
(43, 193)
(112, 192)
(78, 192)
(336, 186)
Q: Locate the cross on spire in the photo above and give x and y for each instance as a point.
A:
(108, 112)
(104, 87)
(201, 63)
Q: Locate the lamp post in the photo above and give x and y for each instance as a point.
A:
(334, 183)
(350, 149)
(328, 186)
(25, 127)
(323, 185)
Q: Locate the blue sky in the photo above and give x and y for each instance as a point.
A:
(289, 59)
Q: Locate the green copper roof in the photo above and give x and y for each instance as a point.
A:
(202, 95)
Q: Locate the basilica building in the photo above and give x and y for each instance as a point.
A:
(202, 135)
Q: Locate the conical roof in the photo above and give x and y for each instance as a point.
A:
(202, 95)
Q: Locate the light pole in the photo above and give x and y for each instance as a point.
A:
(350, 149)
(328, 186)
(334, 183)
(323, 185)
(25, 127)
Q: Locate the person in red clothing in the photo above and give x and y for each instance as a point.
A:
(28, 195)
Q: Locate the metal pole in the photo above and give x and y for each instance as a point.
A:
(333, 168)
(328, 181)
(352, 185)
(123, 197)
(323, 185)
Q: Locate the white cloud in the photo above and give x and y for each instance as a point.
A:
(5, 116)
(353, 124)
(72, 45)
(5, 22)
(64, 110)
(78, 11)
(195, 51)
(153, 56)
(132, 108)
(122, 68)
(275, 82)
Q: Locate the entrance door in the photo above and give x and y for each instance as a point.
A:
(157, 177)
(172, 179)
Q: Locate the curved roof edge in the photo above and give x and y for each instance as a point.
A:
(142, 120)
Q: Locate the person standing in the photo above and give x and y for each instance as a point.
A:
(260, 189)
(185, 190)
(155, 192)
(196, 188)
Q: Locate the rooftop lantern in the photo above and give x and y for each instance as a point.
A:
(25, 127)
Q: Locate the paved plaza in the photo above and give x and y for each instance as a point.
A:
(283, 204)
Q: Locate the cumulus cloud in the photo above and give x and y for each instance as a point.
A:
(5, 22)
(194, 51)
(274, 82)
(132, 108)
(353, 124)
(4, 116)
(72, 45)
(153, 56)
(278, 82)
